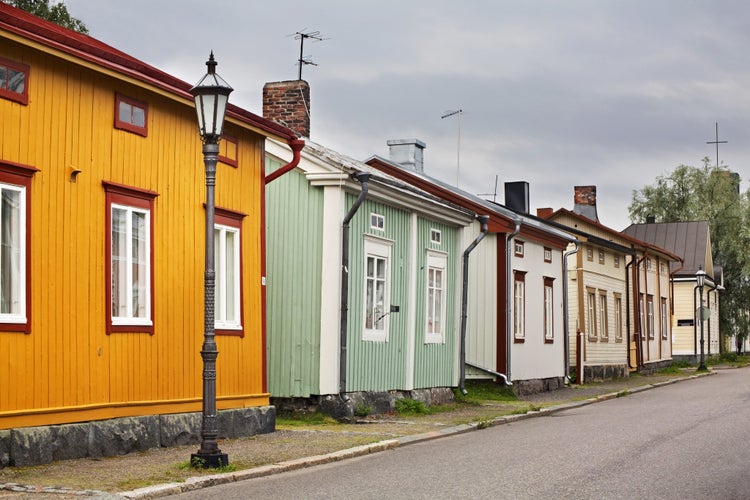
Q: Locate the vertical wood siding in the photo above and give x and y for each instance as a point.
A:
(294, 214)
(67, 368)
(378, 366)
(434, 362)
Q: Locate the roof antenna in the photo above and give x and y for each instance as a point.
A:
(717, 142)
(301, 36)
(494, 195)
(458, 113)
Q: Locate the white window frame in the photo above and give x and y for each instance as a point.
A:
(16, 261)
(549, 298)
(376, 249)
(128, 318)
(664, 316)
(377, 221)
(603, 316)
(519, 306)
(591, 314)
(224, 282)
(618, 317)
(436, 262)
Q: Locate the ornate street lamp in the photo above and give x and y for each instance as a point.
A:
(700, 279)
(211, 94)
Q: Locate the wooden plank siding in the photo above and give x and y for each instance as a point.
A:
(68, 368)
(293, 291)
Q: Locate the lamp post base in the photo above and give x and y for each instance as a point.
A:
(209, 460)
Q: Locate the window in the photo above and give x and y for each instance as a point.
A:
(549, 323)
(518, 248)
(228, 147)
(14, 81)
(377, 289)
(591, 314)
(641, 316)
(650, 319)
(228, 266)
(617, 261)
(15, 239)
(590, 254)
(601, 256)
(547, 254)
(519, 306)
(663, 268)
(131, 115)
(649, 264)
(664, 319)
(603, 310)
(435, 300)
(377, 222)
(618, 317)
(435, 236)
(129, 250)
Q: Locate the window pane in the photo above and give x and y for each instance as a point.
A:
(140, 265)
(10, 255)
(379, 305)
(229, 279)
(119, 262)
(139, 116)
(125, 112)
(381, 268)
(3, 77)
(16, 81)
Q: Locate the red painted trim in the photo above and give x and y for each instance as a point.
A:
(130, 127)
(94, 51)
(23, 97)
(296, 145)
(135, 197)
(21, 175)
(234, 219)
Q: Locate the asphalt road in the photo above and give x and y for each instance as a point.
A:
(683, 441)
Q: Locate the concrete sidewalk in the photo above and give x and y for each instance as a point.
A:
(294, 448)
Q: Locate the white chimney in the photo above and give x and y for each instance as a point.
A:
(408, 153)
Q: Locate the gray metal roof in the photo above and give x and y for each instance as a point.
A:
(690, 240)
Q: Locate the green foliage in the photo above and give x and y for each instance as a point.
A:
(51, 11)
(485, 390)
(302, 418)
(362, 409)
(199, 463)
(711, 194)
(407, 406)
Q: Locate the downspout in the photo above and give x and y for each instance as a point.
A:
(566, 327)
(637, 311)
(509, 296)
(483, 219)
(364, 179)
(296, 145)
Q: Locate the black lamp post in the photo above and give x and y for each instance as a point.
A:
(211, 94)
(700, 278)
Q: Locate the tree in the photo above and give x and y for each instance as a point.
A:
(712, 194)
(55, 12)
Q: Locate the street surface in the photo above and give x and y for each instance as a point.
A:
(689, 440)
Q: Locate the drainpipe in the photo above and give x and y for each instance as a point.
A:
(296, 145)
(627, 304)
(483, 219)
(509, 296)
(364, 179)
(566, 326)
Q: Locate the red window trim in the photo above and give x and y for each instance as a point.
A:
(22, 98)
(139, 198)
(232, 162)
(549, 282)
(21, 175)
(234, 219)
(517, 253)
(545, 252)
(119, 124)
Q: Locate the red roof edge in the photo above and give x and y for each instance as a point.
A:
(94, 51)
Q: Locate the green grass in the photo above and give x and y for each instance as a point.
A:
(485, 390)
(303, 418)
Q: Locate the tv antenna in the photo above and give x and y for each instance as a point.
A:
(457, 113)
(302, 36)
(494, 195)
(717, 142)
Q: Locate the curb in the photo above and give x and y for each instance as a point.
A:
(267, 470)
(196, 483)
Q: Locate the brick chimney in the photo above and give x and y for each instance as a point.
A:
(288, 103)
(544, 213)
(407, 152)
(584, 199)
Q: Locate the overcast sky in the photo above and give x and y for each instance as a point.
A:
(556, 93)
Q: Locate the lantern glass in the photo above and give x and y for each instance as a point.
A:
(700, 277)
(211, 95)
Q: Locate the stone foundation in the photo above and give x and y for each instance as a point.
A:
(104, 438)
(534, 386)
(600, 373)
(360, 403)
(654, 367)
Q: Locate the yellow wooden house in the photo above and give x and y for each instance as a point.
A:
(102, 236)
